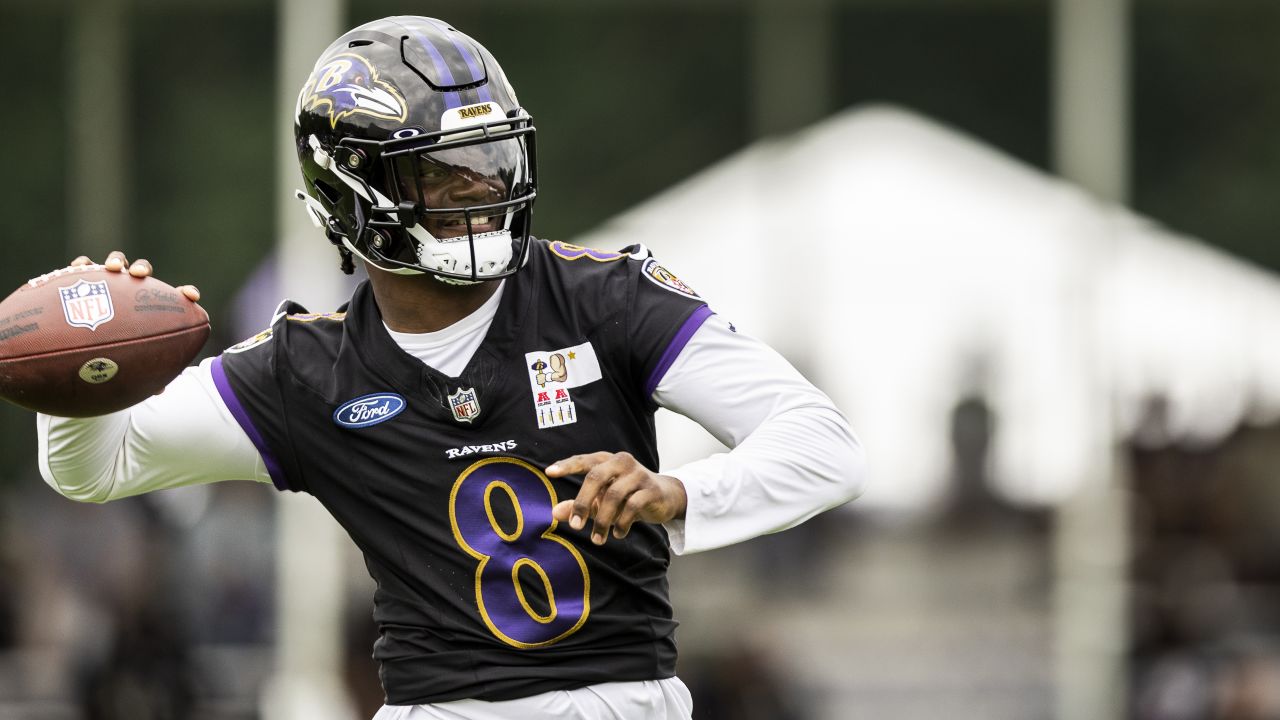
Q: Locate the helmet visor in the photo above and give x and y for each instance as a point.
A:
(453, 190)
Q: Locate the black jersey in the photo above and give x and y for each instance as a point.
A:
(438, 480)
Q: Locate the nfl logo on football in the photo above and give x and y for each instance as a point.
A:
(464, 404)
(86, 304)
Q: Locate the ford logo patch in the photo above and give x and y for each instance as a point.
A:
(369, 410)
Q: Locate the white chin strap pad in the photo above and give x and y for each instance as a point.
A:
(453, 255)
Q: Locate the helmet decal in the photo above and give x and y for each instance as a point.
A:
(468, 115)
(347, 84)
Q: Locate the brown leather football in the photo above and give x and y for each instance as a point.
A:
(84, 341)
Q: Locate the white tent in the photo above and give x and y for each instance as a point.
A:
(904, 266)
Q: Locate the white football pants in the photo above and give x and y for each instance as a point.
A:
(665, 699)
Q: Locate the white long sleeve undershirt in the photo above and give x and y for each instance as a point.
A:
(793, 454)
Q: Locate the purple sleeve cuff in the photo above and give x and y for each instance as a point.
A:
(241, 415)
(674, 348)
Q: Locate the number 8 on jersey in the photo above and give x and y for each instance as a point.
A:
(531, 548)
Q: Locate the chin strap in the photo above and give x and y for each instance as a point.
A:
(455, 281)
(315, 211)
(323, 220)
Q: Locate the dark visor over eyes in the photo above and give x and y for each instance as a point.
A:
(460, 177)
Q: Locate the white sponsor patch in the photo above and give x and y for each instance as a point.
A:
(86, 303)
(552, 373)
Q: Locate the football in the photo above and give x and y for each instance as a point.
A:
(84, 341)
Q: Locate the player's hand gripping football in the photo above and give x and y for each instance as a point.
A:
(616, 492)
(116, 262)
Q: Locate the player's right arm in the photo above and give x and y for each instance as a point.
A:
(183, 436)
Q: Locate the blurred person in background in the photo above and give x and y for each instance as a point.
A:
(479, 376)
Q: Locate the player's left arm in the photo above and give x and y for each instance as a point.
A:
(793, 453)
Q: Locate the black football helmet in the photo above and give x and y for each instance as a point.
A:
(416, 155)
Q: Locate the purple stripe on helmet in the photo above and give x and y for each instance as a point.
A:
(451, 99)
(468, 56)
(676, 345)
(241, 415)
(473, 62)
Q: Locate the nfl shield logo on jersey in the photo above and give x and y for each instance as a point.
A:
(464, 404)
(86, 304)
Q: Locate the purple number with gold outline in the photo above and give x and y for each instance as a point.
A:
(569, 251)
(504, 552)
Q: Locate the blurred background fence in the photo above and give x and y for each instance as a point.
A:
(152, 125)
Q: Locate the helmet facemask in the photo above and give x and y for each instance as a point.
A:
(456, 204)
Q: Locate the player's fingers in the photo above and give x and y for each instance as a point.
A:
(587, 501)
(140, 268)
(191, 291)
(578, 464)
(81, 260)
(562, 511)
(612, 502)
(634, 509)
(616, 467)
(116, 261)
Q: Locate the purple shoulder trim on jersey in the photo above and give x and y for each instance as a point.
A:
(242, 416)
(677, 344)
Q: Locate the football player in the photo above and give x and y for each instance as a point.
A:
(480, 416)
